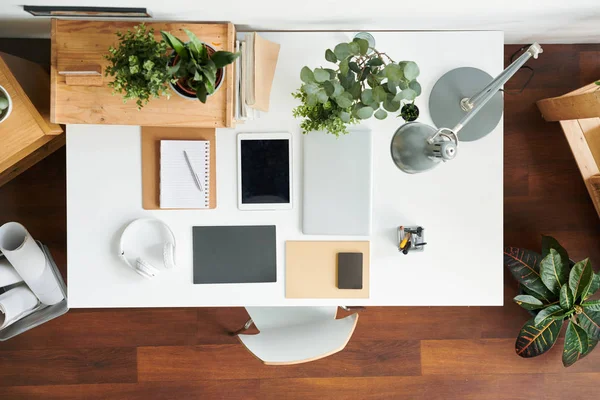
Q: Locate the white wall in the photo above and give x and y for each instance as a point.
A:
(546, 21)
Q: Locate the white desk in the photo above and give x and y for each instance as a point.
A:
(458, 203)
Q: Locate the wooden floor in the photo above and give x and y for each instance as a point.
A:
(395, 353)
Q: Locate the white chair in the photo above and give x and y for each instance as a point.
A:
(294, 335)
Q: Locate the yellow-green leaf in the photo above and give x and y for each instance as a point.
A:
(524, 265)
(580, 277)
(576, 344)
(566, 297)
(590, 322)
(535, 340)
(528, 302)
(554, 274)
(553, 312)
(592, 305)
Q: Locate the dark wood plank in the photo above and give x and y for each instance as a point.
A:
(47, 367)
(494, 356)
(111, 328)
(204, 390)
(359, 358)
(442, 387)
(392, 323)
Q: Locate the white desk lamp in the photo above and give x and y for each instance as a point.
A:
(417, 147)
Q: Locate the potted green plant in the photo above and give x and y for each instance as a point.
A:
(364, 83)
(555, 290)
(5, 104)
(197, 68)
(139, 66)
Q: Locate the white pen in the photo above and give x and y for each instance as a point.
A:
(194, 174)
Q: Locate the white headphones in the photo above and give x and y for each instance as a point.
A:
(143, 267)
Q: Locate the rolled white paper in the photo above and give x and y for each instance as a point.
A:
(15, 304)
(29, 261)
(8, 275)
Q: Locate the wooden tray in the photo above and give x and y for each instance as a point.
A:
(84, 43)
(151, 137)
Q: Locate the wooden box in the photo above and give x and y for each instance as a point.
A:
(27, 135)
(83, 44)
(579, 115)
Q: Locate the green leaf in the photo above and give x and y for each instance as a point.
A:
(590, 321)
(196, 43)
(411, 70)
(391, 87)
(366, 96)
(393, 72)
(355, 90)
(580, 277)
(329, 88)
(354, 48)
(554, 274)
(331, 73)
(406, 94)
(390, 104)
(380, 114)
(175, 43)
(342, 51)
(364, 74)
(311, 99)
(373, 81)
(591, 288)
(310, 88)
(364, 112)
(375, 62)
(347, 80)
(551, 312)
(201, 93)
(337, 89)
(591, 305)
(566, 298)
(330, 56)
(379, 94)
(528, 302)
(576, 343)
(321, 75)
(197, 76)
(307, 75)
(363, 45)
(548, 242)
(223, 58)
(344, 100)
(172, 70)
(416, 86)
(524, 267)
(345, 117)
(344, 67)
(535, 340)
(591, 346)
(354, 66)
(322, 96)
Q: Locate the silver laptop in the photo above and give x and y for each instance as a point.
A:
(338, 183)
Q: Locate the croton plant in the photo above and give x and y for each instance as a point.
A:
(554, 291)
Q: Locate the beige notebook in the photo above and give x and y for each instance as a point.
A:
(311, 269)
(264, 55)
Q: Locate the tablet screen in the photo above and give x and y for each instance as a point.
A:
(265, 171)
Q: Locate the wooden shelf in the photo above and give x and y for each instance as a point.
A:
(83, 43)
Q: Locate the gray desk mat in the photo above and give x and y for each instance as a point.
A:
(234, 254)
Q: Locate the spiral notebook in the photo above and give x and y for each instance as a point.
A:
(184, 173)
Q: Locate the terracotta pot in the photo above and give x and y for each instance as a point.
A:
(183, 89)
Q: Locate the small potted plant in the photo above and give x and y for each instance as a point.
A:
(139, 66)
(364, 83)
(5, 104)
(197, 68)
(555, 290)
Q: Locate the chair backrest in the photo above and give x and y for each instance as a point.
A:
(267, 318)
(297, 344)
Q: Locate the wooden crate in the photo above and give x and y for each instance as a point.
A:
(578, 113)
(78, 43)
(27, 135)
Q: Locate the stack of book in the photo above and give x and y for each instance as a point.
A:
(255, 69)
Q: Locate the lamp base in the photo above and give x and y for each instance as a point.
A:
(447, 93)
(409, 146)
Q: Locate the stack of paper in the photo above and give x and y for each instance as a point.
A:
(184, 173)
(255, 69)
